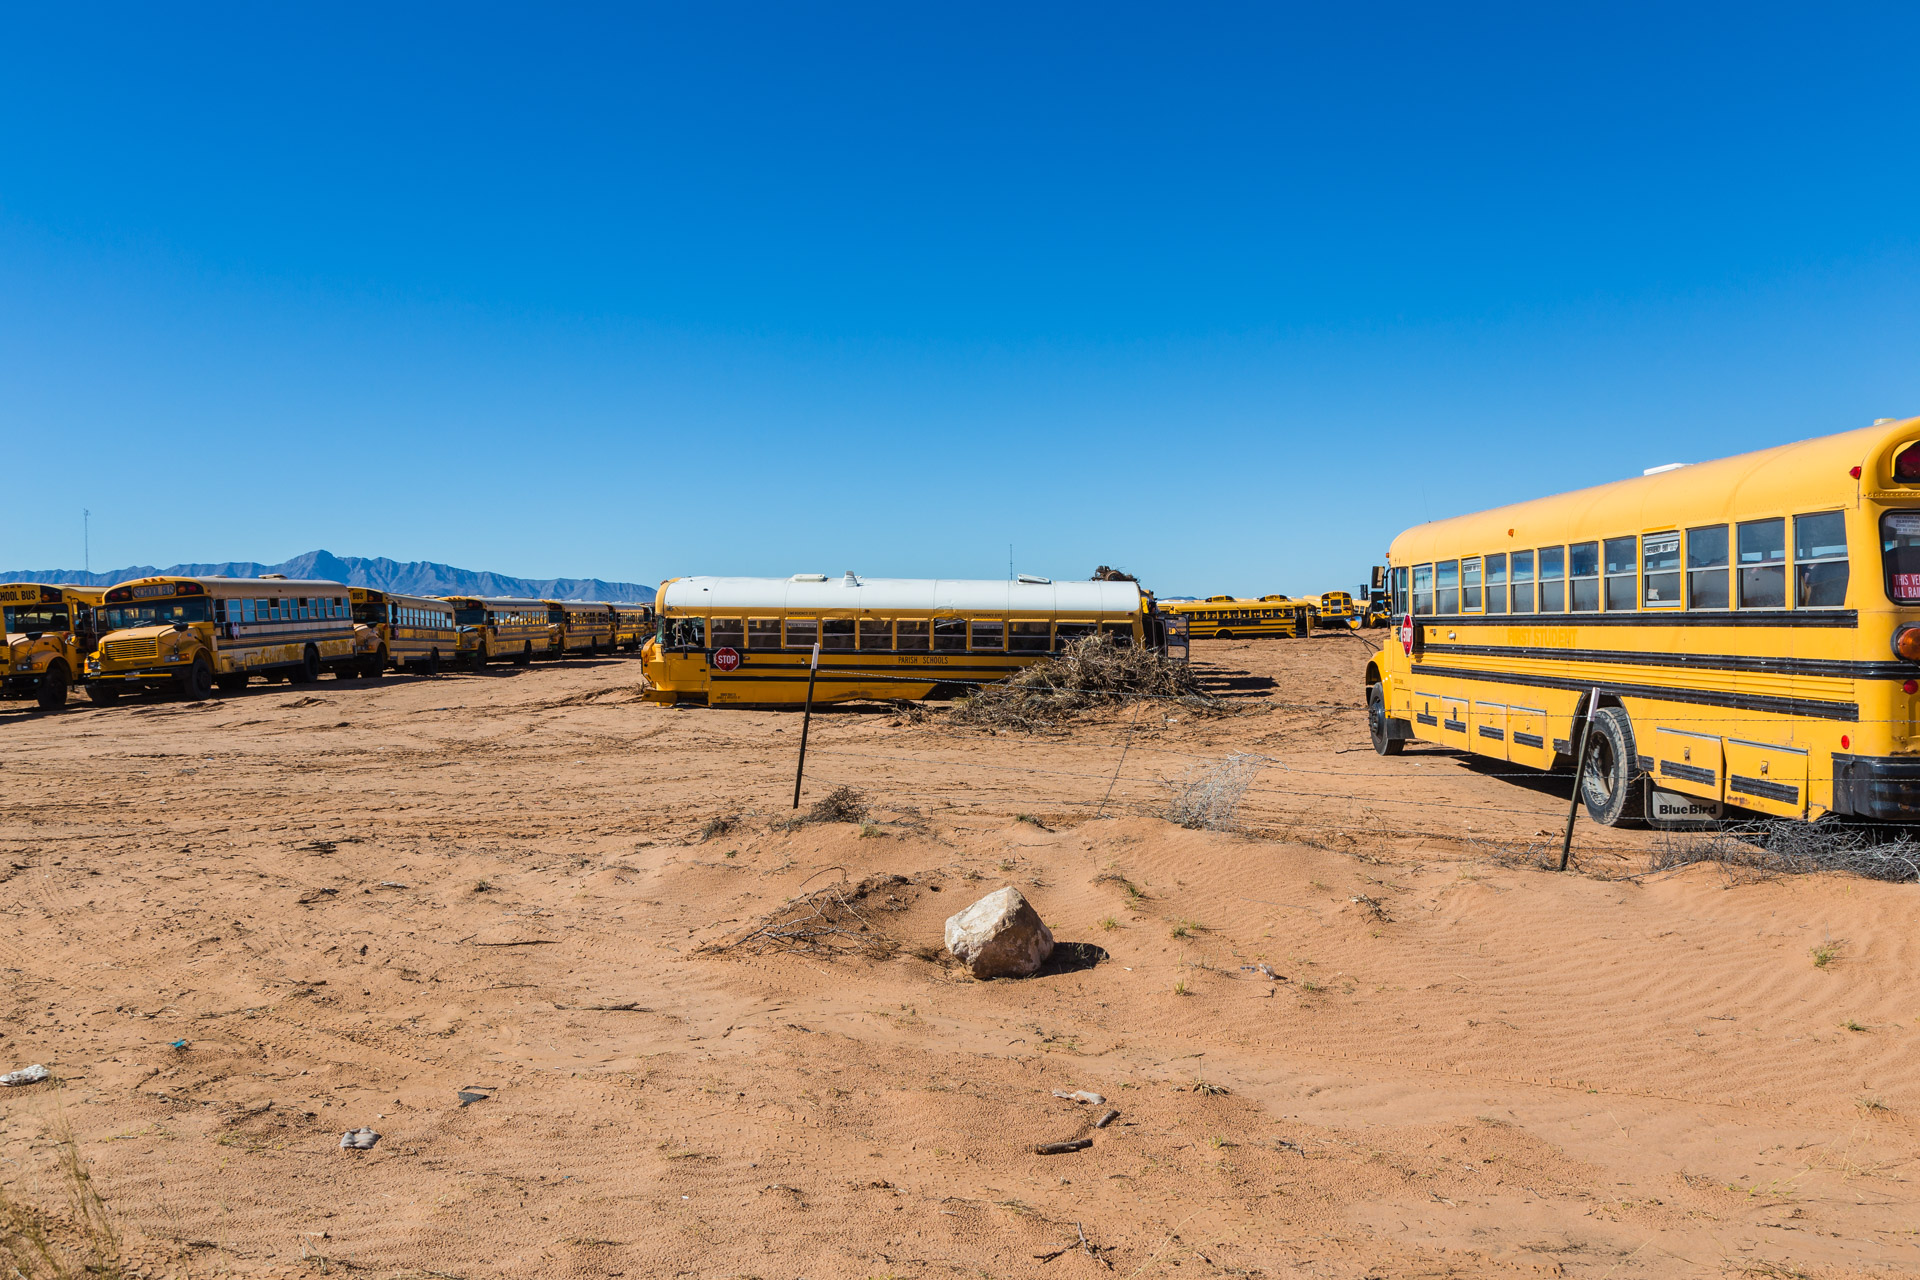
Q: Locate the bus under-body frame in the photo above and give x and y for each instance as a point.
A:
(1753, 621)
(749, 641)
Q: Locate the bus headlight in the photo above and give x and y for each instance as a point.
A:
(1906, 642)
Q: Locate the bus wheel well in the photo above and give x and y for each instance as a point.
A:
(1373, 673)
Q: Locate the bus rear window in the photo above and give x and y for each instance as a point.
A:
(1900, 551)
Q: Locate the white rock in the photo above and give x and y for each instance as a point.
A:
(1000, 936)
(1084, 1096)
(358, 1140)
(26, 1075)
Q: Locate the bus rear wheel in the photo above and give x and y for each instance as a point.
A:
(433, 663)
(231, 682)
(1378, 728)
(525, 656)
(374, 665)
(101, 694)
(309, 669)
(1223, 635)
(476, 659)
(1610, 781)
(53, 687)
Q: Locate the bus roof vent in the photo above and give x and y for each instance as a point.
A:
(281, 576)
(1667, 466)
(808, 577)
(851, 580)
(1035, 579)
(1881, 422)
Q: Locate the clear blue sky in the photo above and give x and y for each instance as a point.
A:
(1225, 295)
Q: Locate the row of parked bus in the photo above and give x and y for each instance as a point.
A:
(1236, 618)
(191, 636)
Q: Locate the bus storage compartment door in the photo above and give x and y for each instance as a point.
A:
(1527, 741)
(1453, 721)
(1688, 762)
(1769, 778)
(1490, 729)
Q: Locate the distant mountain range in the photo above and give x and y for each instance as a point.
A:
(415, 577)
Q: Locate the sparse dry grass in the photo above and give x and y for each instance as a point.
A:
(1208, 797)
(39, 1244)
(1089, 672)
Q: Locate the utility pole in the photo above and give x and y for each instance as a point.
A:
(86, 539)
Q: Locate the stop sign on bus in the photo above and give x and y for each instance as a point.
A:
(726, 659)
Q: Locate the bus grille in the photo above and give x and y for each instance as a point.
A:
(132, 650)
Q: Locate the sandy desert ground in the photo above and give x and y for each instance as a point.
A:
(236, 929)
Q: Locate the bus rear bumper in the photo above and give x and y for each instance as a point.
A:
(1884, 788)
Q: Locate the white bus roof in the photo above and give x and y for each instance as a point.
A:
(853, 594)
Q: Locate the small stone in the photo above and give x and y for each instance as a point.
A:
(358, 1139)
(1086, 1096)
(26, 1075)
(1000, 936)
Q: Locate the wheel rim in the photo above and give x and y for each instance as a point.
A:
(1597, 782)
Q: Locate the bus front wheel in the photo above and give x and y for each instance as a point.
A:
(102, 694)
(1610, 781)
(476, 659)
(53, 687)
(1223, 635)
(196, 682)
(526, 655)
(433, 663)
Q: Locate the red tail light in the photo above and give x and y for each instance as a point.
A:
(1906, 466)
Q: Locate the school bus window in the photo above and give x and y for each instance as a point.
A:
(802, 633)
(1900, 555)
(1121, 633)
(1446, 587)
(1583, 577)
(1820, 560)
(1423, 588)
(1660, 569)
(729, 632)
(914, 634)
(950, 633)
(989, 634)
(1400, 601)
(1028, 637)
(1470, 585)
(1763, 564)
(763, 633)
(1622, 574)
(1707, 568)
(1065, 631)
(1496, 584)
(876, 633)
(836, 633)
(1553, 572)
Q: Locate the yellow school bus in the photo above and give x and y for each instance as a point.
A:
(490, 627)
(748, 641)
(411, 633)
(49, 631)
(632, 624)
(190, 634)
(1703, 626)
(1231, 618)
(1336, 610)
(580, 626)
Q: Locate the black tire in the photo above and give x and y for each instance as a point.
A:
(196, 682)
(1610, 781)
(526, 655)
(102, 694)
(433, 663)
(1223, 635)
(1378, 727)
(477, 659)
(231, 682)
(347, 670)
(53, 687)
(374, 665)
(309, 669)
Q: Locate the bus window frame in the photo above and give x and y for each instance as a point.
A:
(1472, 584)
(1514, 581)
(1843, 559)
(1780, 565)
(1496, 562)
(872, 643)
(1419, 571)
(1608, 577)
(1574, 580)
(1442, 570)
(1723, 567)
(921, 633)
(735, 632)
(763, 633)
(1648, 574)
(1556, 582)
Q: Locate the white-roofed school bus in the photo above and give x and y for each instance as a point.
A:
(749, 641)
(1740, 635)
(188, 635)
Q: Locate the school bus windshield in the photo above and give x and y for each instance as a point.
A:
(154, 613)
(35, 617)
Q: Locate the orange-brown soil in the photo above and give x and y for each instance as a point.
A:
(353, 900)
